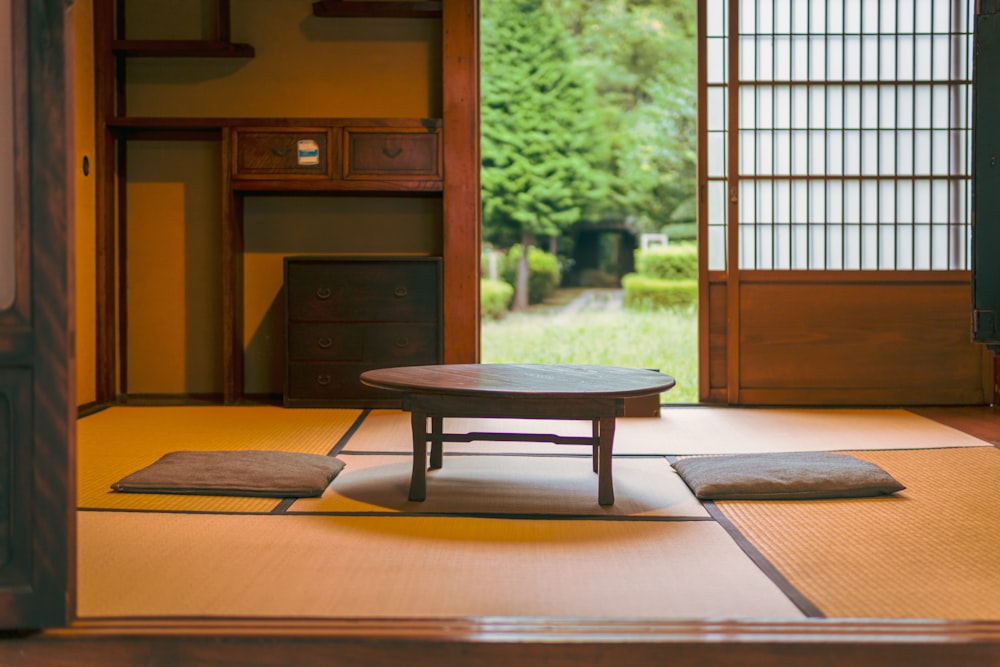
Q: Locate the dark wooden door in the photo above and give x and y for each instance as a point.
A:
(986, 177)
(37, 470)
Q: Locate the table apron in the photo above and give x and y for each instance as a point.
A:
(586, 408)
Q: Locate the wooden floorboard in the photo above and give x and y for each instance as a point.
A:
(980, 421)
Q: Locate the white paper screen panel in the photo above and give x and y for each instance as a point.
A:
(854, 133)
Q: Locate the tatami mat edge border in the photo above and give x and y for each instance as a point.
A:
(349, 433)
(805, 605)
(411, 515)
(282, 507)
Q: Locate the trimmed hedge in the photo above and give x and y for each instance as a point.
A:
(676, 261)
(645, 293)
(494, 298)
(681, 231)
(543, 272)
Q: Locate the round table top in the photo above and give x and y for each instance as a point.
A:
(549, 380)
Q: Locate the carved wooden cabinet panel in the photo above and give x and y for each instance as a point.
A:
(385, 153)
(347, 315)
(331, 155)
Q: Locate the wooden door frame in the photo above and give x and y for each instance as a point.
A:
(37, 390)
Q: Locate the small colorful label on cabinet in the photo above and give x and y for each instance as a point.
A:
(308, 152)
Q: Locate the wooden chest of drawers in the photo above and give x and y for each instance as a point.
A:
(344, 316)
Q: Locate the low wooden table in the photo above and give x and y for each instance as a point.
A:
(521, 391)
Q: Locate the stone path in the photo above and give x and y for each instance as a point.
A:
(595, 299)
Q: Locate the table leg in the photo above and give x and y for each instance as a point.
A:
(418, 479)
(595, 430)
(605, 485)
(437, 430)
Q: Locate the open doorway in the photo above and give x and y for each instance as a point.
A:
(589, 162)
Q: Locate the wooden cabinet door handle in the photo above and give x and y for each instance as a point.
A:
(402, 341)
(401, 292)
(325, 343)
(281, 152)
(323, 380)
(391, 153)
(323, 292)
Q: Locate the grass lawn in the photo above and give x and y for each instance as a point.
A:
(666, 340)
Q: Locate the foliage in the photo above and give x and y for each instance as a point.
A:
(494, 298)
(489, 255)
(681, 231)
(543, 271)
(676, 261)
(666, 340)
(541, 142)
(641, 55)
(644, 293)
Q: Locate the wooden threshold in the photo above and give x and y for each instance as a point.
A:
(504, 641)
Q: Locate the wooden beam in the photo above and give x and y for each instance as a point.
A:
(461, 190)
(363, 9)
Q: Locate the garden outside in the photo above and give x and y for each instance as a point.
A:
(590, 326)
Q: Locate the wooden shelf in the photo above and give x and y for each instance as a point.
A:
(166, 123)
(178, 48)
(365, 8)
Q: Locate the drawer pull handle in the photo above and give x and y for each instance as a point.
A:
(323, 292)
(392, 154)
(281, 152)
(401, 292)
(325, 342)
(323, 380)
(402, 341)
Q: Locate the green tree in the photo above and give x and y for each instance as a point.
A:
(543, 165)
(641, 55)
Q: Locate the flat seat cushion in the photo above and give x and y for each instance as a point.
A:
(235, 473)
(784, 476)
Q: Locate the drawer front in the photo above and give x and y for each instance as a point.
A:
(329, 381)
(390, 343)
(403, 344)
(276, 152)
(363, 291)
(389, 154)
(336, 342)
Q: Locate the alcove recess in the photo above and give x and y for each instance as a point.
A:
(398, 156)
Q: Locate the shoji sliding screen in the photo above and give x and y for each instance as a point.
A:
(835, 210)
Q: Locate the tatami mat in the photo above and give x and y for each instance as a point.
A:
(121, 440)
(693, 430)
(932, 551)
(357, 567)
(514, 528)
(721, 430)
(487, 484)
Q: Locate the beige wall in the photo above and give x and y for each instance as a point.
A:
(304, 67)
(84, 193)
(174, 339)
